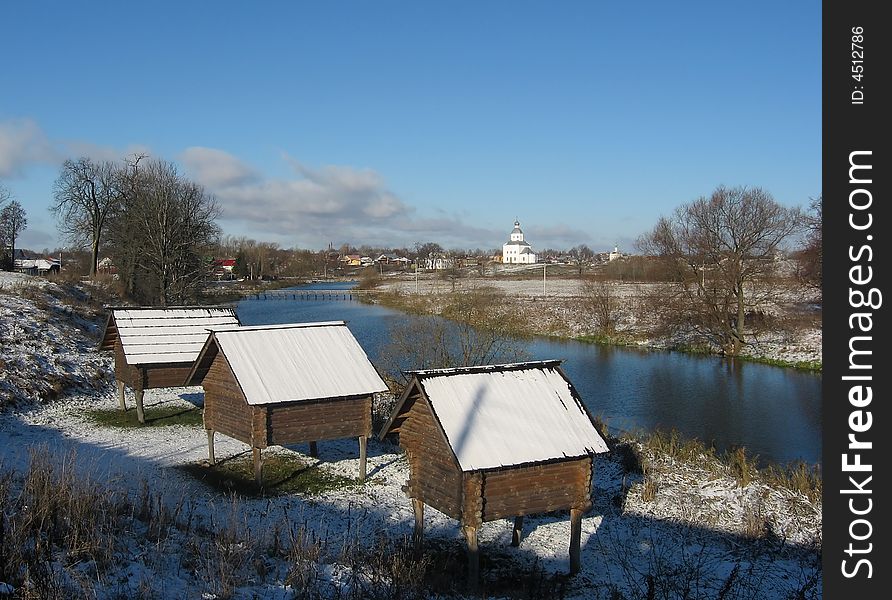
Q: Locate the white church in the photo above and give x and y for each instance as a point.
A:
(516, 250)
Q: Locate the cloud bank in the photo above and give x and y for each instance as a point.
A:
(320, 205)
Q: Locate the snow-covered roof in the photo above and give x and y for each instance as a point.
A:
(293, 362)
(164, 335)
(508, 415)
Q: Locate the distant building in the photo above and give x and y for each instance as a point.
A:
(516, 250)
(614, 254)
(436, 262)
(37, 266)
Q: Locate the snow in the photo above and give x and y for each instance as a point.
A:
(555, 309)
(306, 361)
(505, 417)
(171, 335)
(693, 528)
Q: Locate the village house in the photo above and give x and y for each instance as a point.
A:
(223, 268)
(436, 262)
(351, 260)
(37, 266)
(516, 250)
(495, 442)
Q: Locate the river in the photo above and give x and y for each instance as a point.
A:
(774, 412)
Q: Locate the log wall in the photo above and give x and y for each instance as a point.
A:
(536, 489)
(435, 476)
(166, 375)
(300, 422)
(225, 408)
(129, 374)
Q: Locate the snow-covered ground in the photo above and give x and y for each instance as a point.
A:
(693, 533)
(554, 308)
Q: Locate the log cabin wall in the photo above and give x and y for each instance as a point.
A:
(318, 420)
(519, 491)
(225, 408)
(166, 375)
(129, 374)
(435, 476)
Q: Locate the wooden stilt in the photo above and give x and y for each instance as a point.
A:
(121, 395)
(473, 556)
(575, 539)
(418, 532)
(258, 466)
(363, 443)
(140, 413)
(211, 458)
(518, 531)
(314, 450)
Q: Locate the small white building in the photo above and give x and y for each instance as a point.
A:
(614, 255)
(516, 250)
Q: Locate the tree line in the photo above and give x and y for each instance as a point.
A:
(157, 227)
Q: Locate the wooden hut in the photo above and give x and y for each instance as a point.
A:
(494, 442)
(156, 347)
(286, 384)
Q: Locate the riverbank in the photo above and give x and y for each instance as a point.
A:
(135, 516)
(561, 308)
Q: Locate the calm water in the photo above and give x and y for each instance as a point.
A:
(774, 412)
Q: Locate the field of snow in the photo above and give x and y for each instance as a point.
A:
(691, 530)
(554, 308)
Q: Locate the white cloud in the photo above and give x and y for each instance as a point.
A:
(23, 142)
(340, 204)
(216, 168)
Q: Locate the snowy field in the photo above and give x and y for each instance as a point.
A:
(693, 532)
(553, 308)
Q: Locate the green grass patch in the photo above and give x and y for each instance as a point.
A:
(156, 416)
(283, 473)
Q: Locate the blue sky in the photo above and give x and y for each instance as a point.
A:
(390, 123)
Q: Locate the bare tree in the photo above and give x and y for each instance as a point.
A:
(13, 221)
(601, 301)
(475, 328)
(723, 248)
(811, 255)
(581, 256)
(173, 221)
(86, 192)
(5, 196)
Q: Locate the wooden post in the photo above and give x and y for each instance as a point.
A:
(575, 539)
(473, 556)
(258, 466)
(211, 458)
(140, 413)
(121, 395)
(418, 532)
(363, 443)
(314, 450)
(471, 519)
(518, 530)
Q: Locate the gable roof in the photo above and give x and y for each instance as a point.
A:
(293, 362)
(163, 335)
(507, 415)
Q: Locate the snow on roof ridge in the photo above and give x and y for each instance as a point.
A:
(531, 364)
(183, 307)
(231, 328)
